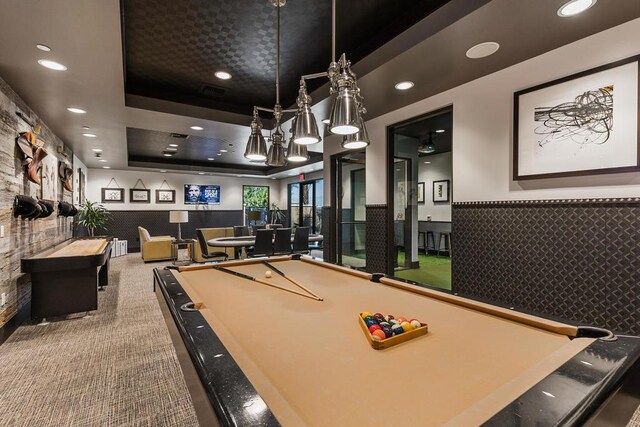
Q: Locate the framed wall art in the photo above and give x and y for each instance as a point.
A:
(583, 124)
(113, 195)
(441, 191)
(165, 196)
(139, 195)
(421, 192)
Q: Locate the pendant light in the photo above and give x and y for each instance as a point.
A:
(296, 152)
(357, 140)
(256, 146)
(427, 146)
(306, 128)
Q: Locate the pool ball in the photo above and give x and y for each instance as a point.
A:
(416, 323)
(379, 317)
(267, 274)
(365, 314)
(370, 322)
(374, 328)
(393, 322)
(387, 331)
(390, 317)
(401, 319)
(406, 326)
(397, 329)
(378, 334)
(384, 324)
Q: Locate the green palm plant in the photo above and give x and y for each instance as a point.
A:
(93, 216)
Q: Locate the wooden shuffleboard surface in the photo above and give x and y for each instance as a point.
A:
(80, 247)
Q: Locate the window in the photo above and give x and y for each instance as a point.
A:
(255, 198)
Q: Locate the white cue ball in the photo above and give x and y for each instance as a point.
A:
(267, 274)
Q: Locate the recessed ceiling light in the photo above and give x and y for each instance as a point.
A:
(440, 131)
(97, 150)
(43, 47)
(210, 158)
(404, 85)
(171, 149)
(162, 170)
(482, 50)
(326, 122)
(173, 145)
(222, 75)
(102, 161)
(219, 154)
(167, 154)
(427, 163)
(575, 7)
(200, 173)
(86, 127)
(273, 178)
(52, 65)
(223, 151)
(197, 127)
(76, 110)
(90, 135)
(106, 167)
(291, 174)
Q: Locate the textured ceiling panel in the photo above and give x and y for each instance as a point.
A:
(173, 47)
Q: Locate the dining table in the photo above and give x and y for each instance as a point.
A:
(248, 241)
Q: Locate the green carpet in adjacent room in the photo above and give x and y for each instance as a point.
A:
(433, 271)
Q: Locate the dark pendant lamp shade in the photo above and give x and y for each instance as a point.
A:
(344, 113)
(427, 146)
(357, 140)
(297, 152)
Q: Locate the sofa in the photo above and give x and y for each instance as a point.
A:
(213, 233)
(155, 248)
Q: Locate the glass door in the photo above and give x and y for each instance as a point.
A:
(351, 211)
(305, 205)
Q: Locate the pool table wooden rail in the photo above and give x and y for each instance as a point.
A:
(230, 392)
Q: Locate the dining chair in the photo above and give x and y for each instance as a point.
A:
(240, 231)
(282, 243)
(301, 240)
(204, 248)
(274, 226)
(264, 243)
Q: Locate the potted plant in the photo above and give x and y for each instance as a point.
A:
(93, 216)
(277, 216)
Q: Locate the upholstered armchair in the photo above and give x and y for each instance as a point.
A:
(154, 248)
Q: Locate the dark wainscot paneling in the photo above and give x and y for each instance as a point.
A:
(377, 231)
(124, 224)
(572, 259)
(328, 233)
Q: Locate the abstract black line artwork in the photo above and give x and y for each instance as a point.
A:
(582, 124)
(586, 120)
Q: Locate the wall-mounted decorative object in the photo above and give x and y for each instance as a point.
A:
(49, 179)
(66, 209)
(165, 195)
(82, 186)
(66, 176)
(139, 195)
(421, 192)
(441, 191)
(47, 208)
(34, 152)
(583, 124)
(26, 207)
(201, 194)
(112, 194)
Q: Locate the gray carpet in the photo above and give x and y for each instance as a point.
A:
(116, 368)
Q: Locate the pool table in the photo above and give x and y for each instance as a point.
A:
(272, 355)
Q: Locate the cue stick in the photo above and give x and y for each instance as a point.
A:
(264, 282)
(280, 272)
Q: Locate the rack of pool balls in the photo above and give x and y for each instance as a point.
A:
(386, 331)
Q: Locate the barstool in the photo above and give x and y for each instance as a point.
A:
(433, 242)
(446, 239)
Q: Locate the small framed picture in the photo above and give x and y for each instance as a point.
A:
(441, 191)
(113, 195)
(165, 196)
(421, 192)
(139, 195)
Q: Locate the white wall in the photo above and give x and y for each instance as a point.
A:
(482, 127)
(230, 188)
(438, 169)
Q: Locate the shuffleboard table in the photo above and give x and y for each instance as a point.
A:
(65, 279)
(270, 354)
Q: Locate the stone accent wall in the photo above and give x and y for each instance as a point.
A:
(25, 237)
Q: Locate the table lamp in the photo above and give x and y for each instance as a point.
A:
(178, 217)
